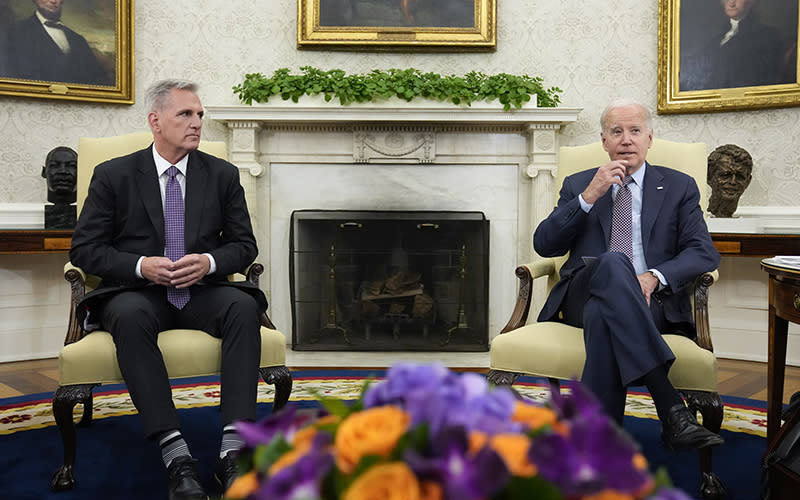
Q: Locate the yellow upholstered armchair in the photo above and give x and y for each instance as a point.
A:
(88, 360)
(556, 351)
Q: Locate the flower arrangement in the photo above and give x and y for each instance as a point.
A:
(427, 433)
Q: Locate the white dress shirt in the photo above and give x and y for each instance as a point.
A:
(162, 166)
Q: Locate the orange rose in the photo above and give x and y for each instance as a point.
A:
(301, 443)
(477, 440)
(370, 432)
(513, 449)
(428, 490)
(609, 495)
(536, 417)
(242, 486)
(392, 481)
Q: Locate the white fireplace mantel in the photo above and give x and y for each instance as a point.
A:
(319, 155)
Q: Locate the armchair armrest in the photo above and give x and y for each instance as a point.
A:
(526, 273)
(79, 282)
(700, 298)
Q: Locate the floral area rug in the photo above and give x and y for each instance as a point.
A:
(115, 461)
(35, 412)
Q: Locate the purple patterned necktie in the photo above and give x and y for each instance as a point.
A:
(173, 229)
(621, 221)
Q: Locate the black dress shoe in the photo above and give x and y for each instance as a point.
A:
(681, 432)
(225, 471)
(183, 481)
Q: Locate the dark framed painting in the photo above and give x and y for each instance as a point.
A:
(726, 55)
(67, 49)
(442, 25)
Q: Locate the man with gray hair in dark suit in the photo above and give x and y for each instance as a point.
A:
(164, 227)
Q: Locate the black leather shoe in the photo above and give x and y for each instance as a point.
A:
(225, 471)
(183, 481)
(681, 432)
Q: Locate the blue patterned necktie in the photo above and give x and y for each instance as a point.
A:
(621, 221)
(173, 230)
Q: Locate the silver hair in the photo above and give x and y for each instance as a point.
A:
(156, 95)
(622, 103)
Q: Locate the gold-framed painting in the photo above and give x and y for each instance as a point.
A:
(437, 25)
(726, 55)
(78, 50)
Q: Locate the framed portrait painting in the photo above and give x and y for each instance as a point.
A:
(67, 49)
(725, 55)
(441, 25)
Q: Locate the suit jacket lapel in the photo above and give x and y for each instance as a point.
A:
(196, 187)
(653, 193)
(147, 178)
(603, 206)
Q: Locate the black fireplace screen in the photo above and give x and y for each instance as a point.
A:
(389, 280)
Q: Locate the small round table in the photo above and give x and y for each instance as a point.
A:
(784, 306)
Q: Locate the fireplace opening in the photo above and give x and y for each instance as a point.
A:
(389, 280)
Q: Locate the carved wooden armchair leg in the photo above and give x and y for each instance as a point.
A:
(64, 401)
(281, 378)
(501, 378)
(710, 406)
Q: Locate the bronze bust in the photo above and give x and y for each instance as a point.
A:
(61, 171)
(730, 170)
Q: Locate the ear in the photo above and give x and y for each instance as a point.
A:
(44, 172)
(152, 120)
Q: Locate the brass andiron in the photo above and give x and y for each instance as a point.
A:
(331, 326)
(461, 323)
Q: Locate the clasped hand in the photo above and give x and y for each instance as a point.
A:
(182, 273)
(606, 176)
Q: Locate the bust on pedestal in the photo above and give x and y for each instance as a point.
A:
(61, 171)
(730, 170)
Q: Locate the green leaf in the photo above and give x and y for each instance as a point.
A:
(406, 84)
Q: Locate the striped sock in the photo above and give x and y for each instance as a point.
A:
(231, 441)
(172, 446)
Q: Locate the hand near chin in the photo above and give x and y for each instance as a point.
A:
(182, 273)
(606, 176)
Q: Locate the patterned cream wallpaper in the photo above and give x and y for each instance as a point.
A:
(594, 55)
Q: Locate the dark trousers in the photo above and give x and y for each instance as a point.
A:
(620, 332)
(134, 318)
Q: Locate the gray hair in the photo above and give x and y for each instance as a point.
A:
(156, 95)
(623, 103)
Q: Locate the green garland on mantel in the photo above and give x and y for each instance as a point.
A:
(377, 85)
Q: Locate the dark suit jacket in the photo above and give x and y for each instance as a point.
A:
(32, 54)
(123, 219)
(675, 237)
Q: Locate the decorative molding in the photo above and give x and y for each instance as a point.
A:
(22, 215)
(413, 112)
(394, 145)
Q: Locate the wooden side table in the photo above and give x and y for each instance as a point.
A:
(784, 306)
(33, 241)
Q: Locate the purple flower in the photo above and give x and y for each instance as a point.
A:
(285, 423)
(449, 463)
(434, 395)
(594, 456)
(405, 380)
(301, 480)
(580, 403)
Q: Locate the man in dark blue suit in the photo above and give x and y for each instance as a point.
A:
(624, 297)
(125, 235)
(41, 47)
